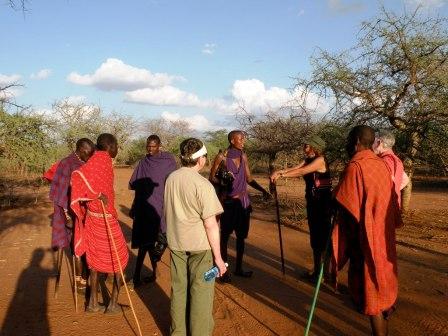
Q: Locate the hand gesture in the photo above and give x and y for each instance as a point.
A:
(274, 176)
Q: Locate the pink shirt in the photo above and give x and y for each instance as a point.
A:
(396, 168)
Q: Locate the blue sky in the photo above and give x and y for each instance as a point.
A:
(196, 60)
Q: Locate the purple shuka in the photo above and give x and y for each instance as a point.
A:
(239, 185)
(60, 195)
(148, 181)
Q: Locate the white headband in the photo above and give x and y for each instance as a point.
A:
(199, 153)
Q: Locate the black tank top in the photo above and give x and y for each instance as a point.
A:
(316, 180)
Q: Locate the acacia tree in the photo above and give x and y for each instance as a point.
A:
(395, 76)
(276, 131)
(77, 120)
(25, 143)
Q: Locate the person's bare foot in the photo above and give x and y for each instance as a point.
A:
(94, 309)
(116, 309)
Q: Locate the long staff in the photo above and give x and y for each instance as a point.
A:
(75, 288)
(59, 269)
(319, 279)
(119, 266)
(273, 189)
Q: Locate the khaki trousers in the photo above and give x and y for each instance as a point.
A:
(191, 295)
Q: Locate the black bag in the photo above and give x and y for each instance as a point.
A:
(224, 177)
(160, 246)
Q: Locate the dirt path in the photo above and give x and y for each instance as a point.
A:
(267, 304)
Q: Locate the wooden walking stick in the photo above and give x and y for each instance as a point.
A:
(273, 189)
(59, 268)
(75, 288)
(119, 266)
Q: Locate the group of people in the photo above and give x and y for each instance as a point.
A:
(194, 217)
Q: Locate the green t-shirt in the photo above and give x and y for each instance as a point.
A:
(189, 199)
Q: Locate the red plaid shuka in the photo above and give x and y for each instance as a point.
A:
(365, 235)
(91, 236)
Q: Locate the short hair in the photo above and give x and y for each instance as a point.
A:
(232, 134)
(84, 141)
(387, 138)
(153, 137)
(105, 141)
(187, 148)
(364, 134)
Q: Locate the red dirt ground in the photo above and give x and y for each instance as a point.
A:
(267, 304)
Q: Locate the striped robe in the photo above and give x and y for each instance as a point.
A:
(91, 235)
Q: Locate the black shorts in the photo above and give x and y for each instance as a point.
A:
(235, 218)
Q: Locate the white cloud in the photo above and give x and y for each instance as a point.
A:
(12, 92)
(250, 94)
(6, 80)
(209, 48)
(197, 122)
(163, 96)
(344, 6)
(427, 3)
(253, 95)
(114, 74)
(41, 74)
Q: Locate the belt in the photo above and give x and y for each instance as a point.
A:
(98, 215)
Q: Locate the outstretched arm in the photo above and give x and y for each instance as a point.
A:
(318, 164)
(251, 181)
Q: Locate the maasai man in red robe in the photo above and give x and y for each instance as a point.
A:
(92, 184)
(364, 232)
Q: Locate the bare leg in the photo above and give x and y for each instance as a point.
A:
(379, 325)
(113, 306)
(93, 301)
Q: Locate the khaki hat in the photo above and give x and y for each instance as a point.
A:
(316, 142)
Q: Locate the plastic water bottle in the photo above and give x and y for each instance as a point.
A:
(212, 273)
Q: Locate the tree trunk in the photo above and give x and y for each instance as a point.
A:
(414, 143)
(406, 196)
(271, 162)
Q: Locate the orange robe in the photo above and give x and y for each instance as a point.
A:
(365, 233)
(91, 235)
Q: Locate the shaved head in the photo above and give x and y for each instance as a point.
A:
(84, 142)
(234, 133)
(360, 137)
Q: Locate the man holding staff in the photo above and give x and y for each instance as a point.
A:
(236, 202)
(93, 184)
(62, 220)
